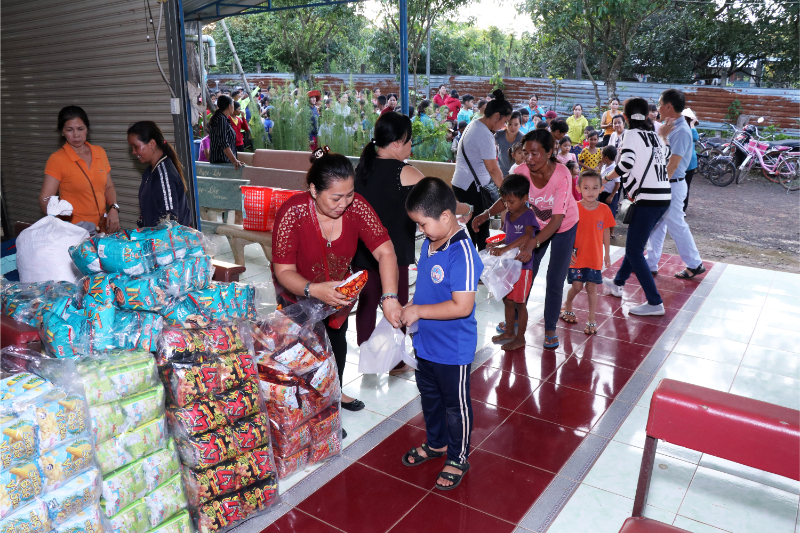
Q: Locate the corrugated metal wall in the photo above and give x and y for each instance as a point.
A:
(90, 53)
(777, 106)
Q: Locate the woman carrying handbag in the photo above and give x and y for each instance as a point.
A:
(642, 167)
(477, 177)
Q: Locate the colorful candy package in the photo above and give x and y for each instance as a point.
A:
(255, 466)
(97, 289)
(133, 258)
(325, 448)
(289, 443)
(122, 487)
(60, 418)
(19, 485)
(238, 403)
(139, 294)
(176, 345)
(76, 494)
(351, 287)
(195, 418)
(18, 441)
(192, 381)
(298, 358)
(222, 339)
(324, 379)
(68, 460)
(289, 465)
(161, 465)
(132, 519)
(162, 242)
(85, 521)
(250, 433)
(32, 518)
(180, 523)
(325, 423)
(85, 257)
(208, 449)
(260, 495)
(217, 480)
(220, 513)
(184, 313)
(165, 501)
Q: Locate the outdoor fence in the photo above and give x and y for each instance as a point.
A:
(712, 104)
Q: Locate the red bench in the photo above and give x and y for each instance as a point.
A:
(720, 424)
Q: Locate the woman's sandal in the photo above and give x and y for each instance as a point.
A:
(454, 478)
(689, 273)
(569, 317)
(591, 328)
(551, 342)
(418, 459)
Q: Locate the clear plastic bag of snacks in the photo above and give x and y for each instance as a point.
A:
(219, 420)
(48, 471)
(27, 303)
(300, 383)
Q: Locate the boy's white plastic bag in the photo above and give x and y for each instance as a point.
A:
(43, 248)
(385, 348)
(500, 273)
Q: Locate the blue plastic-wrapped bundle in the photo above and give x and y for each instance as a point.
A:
(97, 289)
(162, 242)
(139, 294)
(119, 254)
(68, 336)
(85, 257)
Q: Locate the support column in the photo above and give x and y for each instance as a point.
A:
(404, 57)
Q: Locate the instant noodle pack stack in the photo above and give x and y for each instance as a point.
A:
(27, 303)
(49, 480)
(219, 422)
(300, 383)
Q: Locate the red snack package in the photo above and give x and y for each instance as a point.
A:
(276, 331)
(208, 449)
(202, 485)
(250, 433)
(192, 381)
(287, 443)
(260, 495)
(243, 365)
(272, 372)
(220, 513)
(238, 403)
(298, 358)
(352, 286)
(289, 465)
(324, 380)
(325, 448)
(197, 417)
(179, 345)
(254, 466)
(287, 417)
(314, 403)
(325, 423)
(222, 339)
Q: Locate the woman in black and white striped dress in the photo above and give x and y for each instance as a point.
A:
(642, 167)
(221, 134)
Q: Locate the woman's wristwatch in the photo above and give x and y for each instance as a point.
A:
(114, 206)
(307, 290)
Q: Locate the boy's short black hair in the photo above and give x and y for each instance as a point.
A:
(515, 185)
(381, 100)
(431, 197)
(590, 173)
(462, 124)
(610, 152)
(541, 125)
(524, 111)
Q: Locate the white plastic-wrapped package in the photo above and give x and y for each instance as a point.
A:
(43, 248)
(384, 349)
(500, 273)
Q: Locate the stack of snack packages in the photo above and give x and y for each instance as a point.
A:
(219, 422)
(27, 303)
(299, 380)
(136, 281)
(141, 487)
(49, 480)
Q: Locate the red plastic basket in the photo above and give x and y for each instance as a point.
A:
(260, 205)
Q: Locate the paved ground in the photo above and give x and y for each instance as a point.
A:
(755, 223)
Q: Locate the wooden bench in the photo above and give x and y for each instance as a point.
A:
(750, 432)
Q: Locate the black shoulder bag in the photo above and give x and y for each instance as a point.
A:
(489, 192)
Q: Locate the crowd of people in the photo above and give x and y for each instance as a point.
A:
(558, 183)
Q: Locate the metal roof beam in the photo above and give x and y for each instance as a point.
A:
(260, 9)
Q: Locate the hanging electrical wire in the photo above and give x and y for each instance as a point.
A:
(157, 32)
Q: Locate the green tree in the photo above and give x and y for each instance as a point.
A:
(606, 27)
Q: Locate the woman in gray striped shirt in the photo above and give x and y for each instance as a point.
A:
(642, 168)
(221, 134)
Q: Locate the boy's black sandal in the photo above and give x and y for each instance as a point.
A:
(454, 478)
(418, 459)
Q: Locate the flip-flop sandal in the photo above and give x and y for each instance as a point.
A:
(418, 459)
(689, 273)
(501, 327)
(454, 478)
(551, 342)
(590, 326)
(569, 317)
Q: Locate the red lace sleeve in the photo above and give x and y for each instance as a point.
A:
(286, 233)
(370, 230)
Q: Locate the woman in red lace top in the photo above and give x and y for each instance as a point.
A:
(315, 238)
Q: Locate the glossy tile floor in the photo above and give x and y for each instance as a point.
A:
(534, 408)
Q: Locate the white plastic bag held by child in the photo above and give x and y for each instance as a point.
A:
(43, 248)
(385, 348)
(500, 273)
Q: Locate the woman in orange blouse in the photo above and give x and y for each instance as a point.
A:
(79, 173)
